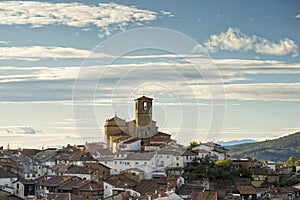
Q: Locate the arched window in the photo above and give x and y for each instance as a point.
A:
(145, 105)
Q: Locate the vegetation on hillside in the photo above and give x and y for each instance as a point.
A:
(276, 150)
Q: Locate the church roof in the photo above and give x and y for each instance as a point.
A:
(114, 119)
(162, 134)
(144, 98)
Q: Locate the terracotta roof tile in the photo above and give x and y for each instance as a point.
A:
(246, 189)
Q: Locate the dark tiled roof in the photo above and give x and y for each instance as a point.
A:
(201, 151)
(208, 195)
(188, 189)
(149, 186)
(7, 196)
(56, 181)
(31, 182)
(162, 134)
(144, 98)
(64, 196)
(30, 152)
(92, 186)
(190, 153)
(82, 185)
(70, 185)
(80, 170)
(61, 168)
(121, 181)
(246, 189)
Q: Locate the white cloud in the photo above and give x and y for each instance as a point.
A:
(231, 40)
(169, 14)
(234, 40)
(56, 83)
(284, 47)
(15, 130)
(264, 91)
(34, 53)
(3, 42)
(297, 16)
(106, 16)
(255, 91)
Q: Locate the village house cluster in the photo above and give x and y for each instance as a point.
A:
(136, 161)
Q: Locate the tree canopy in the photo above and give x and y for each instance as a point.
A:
(192, 145)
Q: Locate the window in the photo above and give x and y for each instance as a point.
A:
(145, 105)
(18, 185)
(136, 163)
(177, 164)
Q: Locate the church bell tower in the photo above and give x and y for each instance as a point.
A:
(143, 111)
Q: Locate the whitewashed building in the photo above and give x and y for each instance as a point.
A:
(214, 150)
(170, 157)
(145, 161)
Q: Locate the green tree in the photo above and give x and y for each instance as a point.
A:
(193, 144)
(290, 162)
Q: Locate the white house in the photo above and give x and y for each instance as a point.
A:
(131, 144)
(298, 168)
(170, 156)
(271, 165)
(110, 189)
(189, 156)
(145, 161)
(215, 151)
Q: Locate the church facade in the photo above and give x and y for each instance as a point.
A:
(143, 128)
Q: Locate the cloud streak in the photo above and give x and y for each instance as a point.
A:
(52, 84)
(234, 40)
(17, 130)
(105, 16)
(35, 53)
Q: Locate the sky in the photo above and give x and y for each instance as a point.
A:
(217, 70)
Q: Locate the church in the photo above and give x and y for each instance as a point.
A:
(138, 134)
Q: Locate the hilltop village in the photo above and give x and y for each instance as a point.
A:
(138, 161)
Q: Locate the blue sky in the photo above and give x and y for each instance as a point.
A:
(46, 45)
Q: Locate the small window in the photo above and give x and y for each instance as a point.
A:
(145, 105)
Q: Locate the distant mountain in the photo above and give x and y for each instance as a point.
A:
(235, 142)
(276, 150)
